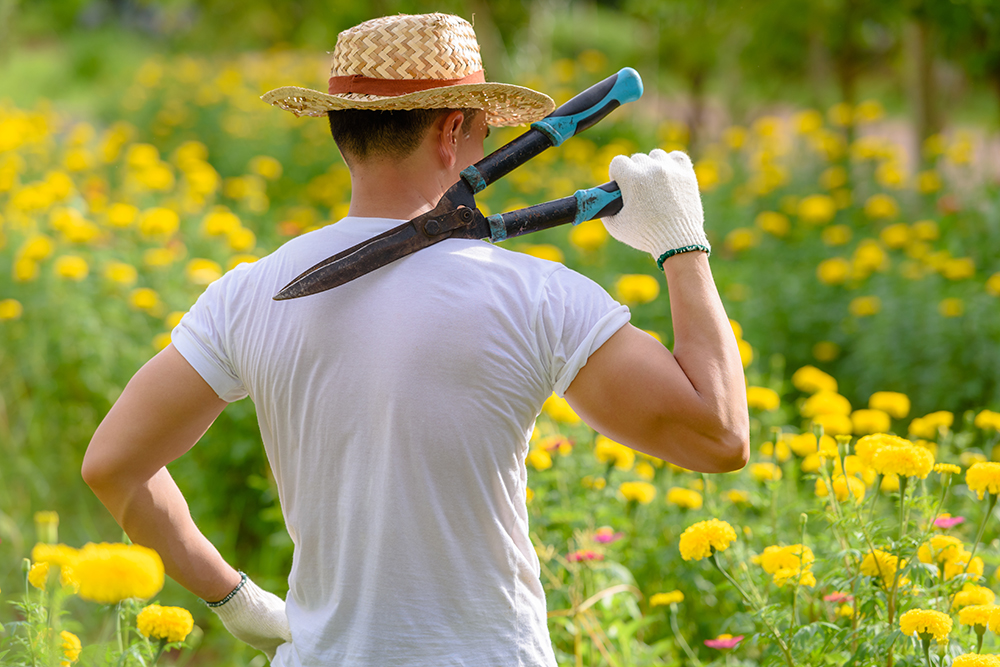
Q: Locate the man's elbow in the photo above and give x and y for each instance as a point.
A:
(733, 450)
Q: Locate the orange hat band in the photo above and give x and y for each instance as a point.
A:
(356, 83)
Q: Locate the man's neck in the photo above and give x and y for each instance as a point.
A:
(401, 190)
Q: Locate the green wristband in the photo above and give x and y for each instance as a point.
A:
(688, 248)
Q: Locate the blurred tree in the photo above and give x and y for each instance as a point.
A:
(690, 37)
(971, 36)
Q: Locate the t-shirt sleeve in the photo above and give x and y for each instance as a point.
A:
(202, 339)
(575, 317)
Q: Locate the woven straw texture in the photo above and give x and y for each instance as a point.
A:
(426, 46)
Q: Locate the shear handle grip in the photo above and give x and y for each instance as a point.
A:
(573, 117)
(598, 202)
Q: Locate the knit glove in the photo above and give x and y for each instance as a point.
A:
(254, 616)
(661, 212)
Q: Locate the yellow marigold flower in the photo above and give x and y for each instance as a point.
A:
(811, 380)
(242, 258)
(977, 614)
(959, 268)
(220, 222)
(890, 484)
(926, 623)
(825, 403)
(866, 422)
(242, 239)
(145, 299)
(746, 352)
(202, 271)
(539, 459)
(56, 554)
(634, 289)
(951, 307)
(266, 166)
(37, 248)
(121, 215)
(881, 207)
(173, 624)
(971, 458)
(833, 271)
(897, 405)
(763, 398)
(702, 539)
(972, 594)
(928, 181)
(896, 236)
(529, 495)
(865, 306)
(866, 446)
(588, 236)
(158, 257)
(544, 251)
(773, 223)
(986, 419)
(737, 496)
(789, 563)
(71, 267)
(993, 284)
(159, 223)
(110, 573)
(960, 564)
(596, 483)
(906, 460)
(685, 498)
(947, 469)
(940, 549)
(10, 309)
(641, 492)
(607, 450)
(71, 648)
(983, 477)
(836, 235)
(121, 273)
(976, 660)
(930, 426)
(659, 599)
(881, 564)
(765, 472)
(740, 239)
(38, 575)
(843, 488)
(805, 444)
(645, 470)
(833, 177)
(868, 257)
(817, 209)
(558, 410)
(707, 173)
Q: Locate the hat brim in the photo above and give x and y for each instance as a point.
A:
(505, 104)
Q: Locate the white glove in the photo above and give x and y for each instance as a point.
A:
(661, 210)
(254, 616)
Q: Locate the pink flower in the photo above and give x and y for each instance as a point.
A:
(948, 521)
(838, 597)
(584, 555)
(724, 641)
(606, 534)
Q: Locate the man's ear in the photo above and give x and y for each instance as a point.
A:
(449, 130)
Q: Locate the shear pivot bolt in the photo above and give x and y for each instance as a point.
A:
(433, 227)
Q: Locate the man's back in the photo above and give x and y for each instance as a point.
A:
(396, 412)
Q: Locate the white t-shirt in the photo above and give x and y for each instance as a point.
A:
(396, 412)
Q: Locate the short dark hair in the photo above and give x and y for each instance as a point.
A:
(365, 133)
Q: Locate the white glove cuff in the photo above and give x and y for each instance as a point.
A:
(232, 593)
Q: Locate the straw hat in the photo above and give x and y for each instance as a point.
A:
(426, 61)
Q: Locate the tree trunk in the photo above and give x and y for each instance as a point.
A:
(845, 62)
(496, 59)
(923, 85)
(697, 117)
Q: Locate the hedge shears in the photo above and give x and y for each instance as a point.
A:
(456, 216)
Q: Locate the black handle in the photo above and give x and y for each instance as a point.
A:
(598, 202)
(573, 117)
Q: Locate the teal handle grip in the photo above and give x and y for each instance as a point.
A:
(590, 106)
(597, 202)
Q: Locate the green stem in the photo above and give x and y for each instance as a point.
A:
(680, 637)
(159, 651)
(781, 642)
(903, 479)
(975, 545)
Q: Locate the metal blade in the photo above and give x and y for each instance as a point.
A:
(454, 215)
(356, 261)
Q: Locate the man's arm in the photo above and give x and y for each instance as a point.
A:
(688, 407)
(163, 412)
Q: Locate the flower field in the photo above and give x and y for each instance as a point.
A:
(862, 279)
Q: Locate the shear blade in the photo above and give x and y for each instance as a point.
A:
(355, 262)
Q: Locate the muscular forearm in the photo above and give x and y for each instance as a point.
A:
(704, 344)
(154, 513)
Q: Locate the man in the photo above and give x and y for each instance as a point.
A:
(396, 410)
